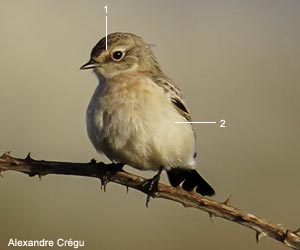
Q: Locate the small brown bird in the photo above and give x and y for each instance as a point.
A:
(131, 116)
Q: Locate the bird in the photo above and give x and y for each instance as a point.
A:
(132, 115)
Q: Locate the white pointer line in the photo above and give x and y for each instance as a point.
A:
(105, 7)
(106, 32)
(197, 122)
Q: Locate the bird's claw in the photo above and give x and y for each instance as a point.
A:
(151, 186)
(104, 180)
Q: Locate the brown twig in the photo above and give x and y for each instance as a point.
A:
(114, 173)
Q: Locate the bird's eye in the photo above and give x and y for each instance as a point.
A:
(118, 55)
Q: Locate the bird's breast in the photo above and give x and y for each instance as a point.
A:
(133, 122)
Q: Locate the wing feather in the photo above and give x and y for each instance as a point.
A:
(175, 96)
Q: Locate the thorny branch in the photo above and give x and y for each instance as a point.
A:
(114, 173)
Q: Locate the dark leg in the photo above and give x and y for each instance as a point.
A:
(110, 171)
(151, 185)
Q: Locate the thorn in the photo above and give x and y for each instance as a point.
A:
(147, 201)
(28, 157)
(5, 155)
(289, 236)
(259, 235)
(1, 175)
(297, 232)
(40, 176)
(227, 202)
(93, 161)
(127, 189)
(211, 216)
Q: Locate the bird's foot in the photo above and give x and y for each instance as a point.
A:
(151, 186)
(111, 170)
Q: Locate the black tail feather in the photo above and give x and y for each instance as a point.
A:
(190, 179)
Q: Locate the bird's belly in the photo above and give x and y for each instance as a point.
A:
(141, 131)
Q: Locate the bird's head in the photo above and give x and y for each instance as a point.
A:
(125, 53)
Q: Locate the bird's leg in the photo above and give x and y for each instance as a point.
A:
(151, 185)
(118, 166)
(111, 170)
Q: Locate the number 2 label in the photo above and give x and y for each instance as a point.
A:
(222, 124)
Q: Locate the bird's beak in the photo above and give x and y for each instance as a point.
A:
(91, 64)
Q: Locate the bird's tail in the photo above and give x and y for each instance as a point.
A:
(190, 179)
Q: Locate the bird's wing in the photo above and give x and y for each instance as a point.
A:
(175, 96)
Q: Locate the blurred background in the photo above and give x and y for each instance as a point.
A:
(234, 60)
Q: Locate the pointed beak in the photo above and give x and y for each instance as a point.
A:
(91, 64)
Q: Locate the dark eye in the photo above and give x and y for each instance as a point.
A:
(118, 55)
